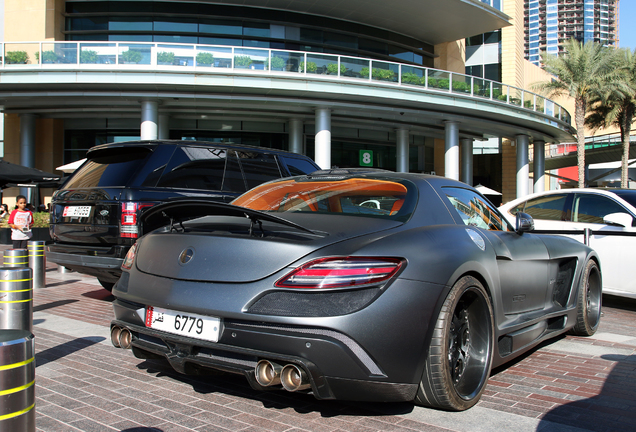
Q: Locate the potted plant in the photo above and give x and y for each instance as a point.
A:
(88, 56)
(242, 62)
(131, 56)
(277, 63)
(16, 57)
(312, 67)
(165, 58)
(205, 59)
(332, 68)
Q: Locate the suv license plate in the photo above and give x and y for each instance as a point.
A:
(77, 211)
(182, 323)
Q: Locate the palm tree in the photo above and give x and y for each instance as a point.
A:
(579, 72)
(615, 105)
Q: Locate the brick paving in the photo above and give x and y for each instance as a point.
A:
(85, 384)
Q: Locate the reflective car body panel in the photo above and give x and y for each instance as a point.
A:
(355, 340)
(580, 209)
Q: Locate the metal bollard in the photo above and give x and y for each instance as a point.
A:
(17, 381)
(16, 258)
(37, 262)
(16, 299)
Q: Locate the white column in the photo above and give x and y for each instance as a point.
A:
(323, 138)
(402, 150)
(149, 117)
(451, 153)
(164, 127)
(296, 135)
(523, 166)
(467, 160)
(27, 147)
(539, 166)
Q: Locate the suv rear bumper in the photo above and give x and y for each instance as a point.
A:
(105, 268)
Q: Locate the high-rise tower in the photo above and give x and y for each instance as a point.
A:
(549, 23)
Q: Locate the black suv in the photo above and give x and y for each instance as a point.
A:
(95, 214)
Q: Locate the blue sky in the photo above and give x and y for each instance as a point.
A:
(626, 27)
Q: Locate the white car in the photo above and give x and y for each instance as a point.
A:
(610, 214)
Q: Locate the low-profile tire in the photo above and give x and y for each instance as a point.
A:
(589, 301)
(458, 362)
(106, 285)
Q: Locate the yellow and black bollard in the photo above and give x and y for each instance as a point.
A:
(17, 381)
(16, 299)
(37, 262)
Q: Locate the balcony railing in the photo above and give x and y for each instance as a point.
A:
(214, 58)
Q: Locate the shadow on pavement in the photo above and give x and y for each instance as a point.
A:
(52, 305)
(230, 384)
(613, 409)
(100, 294)
(59, 351)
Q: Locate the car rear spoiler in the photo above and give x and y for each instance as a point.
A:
(177, 211)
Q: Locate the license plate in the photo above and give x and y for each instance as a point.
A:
(77, 211)
(184, 324)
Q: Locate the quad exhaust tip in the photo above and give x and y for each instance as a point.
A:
(294, 378)
(268, 373)
(121, 337)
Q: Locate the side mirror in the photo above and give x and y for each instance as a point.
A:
(618, 219)
(524, 222)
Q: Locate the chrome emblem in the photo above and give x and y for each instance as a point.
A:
(186, 256)
(477, 239)
(103, 213)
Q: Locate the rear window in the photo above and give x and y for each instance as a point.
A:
(357, 196)
(109, 168)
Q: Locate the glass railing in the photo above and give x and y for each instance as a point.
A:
(96, 55)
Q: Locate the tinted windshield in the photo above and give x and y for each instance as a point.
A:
(357, 196)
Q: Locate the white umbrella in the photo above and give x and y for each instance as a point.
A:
(69, 168)
(486, 191)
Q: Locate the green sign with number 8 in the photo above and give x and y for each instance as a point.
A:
(366, 158)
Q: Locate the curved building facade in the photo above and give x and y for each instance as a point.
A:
(349, 83)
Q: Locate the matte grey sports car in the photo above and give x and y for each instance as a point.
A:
(359, 285)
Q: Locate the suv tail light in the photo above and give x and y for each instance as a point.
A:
(341, 272)
(130, 212)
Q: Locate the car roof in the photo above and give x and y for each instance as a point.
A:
(611, 192)
(186, 143)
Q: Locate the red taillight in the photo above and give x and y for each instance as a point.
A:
(341, 272)
(130, 258)
(129, 216)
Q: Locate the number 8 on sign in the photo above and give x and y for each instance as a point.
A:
(366, 158)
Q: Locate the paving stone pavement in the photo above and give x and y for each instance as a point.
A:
(83, 383)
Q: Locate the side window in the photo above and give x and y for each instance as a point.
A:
(195, 168)
(297, 166)
(475, 211)
(258, 167)
(550, 207)
(593, 208)
(233, 181)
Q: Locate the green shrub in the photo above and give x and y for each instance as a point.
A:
(242, 61)
(332, 68)
(205, 59)
(410, 78)
(277, 63)
(379, 74)
(16, 57)
(165, 57)
(461, 86)
(311, 67)
(131, 56)
(88, 56)
(48, 57)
